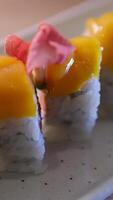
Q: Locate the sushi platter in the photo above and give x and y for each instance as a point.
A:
(66, 166)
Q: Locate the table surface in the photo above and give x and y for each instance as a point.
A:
(17, 15)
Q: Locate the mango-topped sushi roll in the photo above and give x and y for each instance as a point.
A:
(21, 141)
(66, 74)
(102, 29)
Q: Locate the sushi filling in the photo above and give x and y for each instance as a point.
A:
(106, 92)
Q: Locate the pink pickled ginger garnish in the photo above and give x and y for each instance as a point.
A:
(16, 47)
(47, 47)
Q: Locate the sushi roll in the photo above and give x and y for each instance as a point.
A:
(66, 74)
(102, 29)
(70, 107)
(21, 141)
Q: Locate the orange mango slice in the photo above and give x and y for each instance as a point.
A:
(87, 58)
(55, 72)
(102, 28)
(16, 91)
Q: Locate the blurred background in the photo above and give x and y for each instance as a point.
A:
(17, 15)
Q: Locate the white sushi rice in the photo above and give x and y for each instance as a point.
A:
(107, 92)
(72, 116)
(21, 145)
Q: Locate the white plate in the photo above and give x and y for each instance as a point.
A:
(75, 171)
